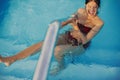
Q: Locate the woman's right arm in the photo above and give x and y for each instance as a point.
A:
(73, 18)
(70, 20)
(66, 22)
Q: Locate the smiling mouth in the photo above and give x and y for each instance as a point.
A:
(91, 12)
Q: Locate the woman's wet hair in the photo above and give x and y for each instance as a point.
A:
(96, 1)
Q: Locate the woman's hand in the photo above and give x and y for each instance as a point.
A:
(76, 35)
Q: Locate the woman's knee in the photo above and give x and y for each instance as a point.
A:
(58, 52)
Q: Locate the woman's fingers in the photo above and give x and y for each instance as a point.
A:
(76, 36)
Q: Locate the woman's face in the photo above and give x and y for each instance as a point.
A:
(91, 8)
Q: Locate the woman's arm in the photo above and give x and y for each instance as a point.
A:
(84, 39)
(91, 34)
(66, 22)
(72, 19)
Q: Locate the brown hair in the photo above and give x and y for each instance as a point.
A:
(96, 1)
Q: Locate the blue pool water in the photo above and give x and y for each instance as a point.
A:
(25, 22)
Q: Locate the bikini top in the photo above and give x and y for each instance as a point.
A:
(83, 29)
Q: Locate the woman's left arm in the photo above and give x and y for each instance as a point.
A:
(91, 34)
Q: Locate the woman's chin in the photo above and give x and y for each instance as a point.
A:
(91, 15)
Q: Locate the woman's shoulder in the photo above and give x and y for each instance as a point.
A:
(99, 21)
(81, 10)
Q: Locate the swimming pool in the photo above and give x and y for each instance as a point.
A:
(25, 22)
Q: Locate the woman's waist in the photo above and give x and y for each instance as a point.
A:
(71, 39)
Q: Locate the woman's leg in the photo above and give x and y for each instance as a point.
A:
(23, 54)
(61, 51)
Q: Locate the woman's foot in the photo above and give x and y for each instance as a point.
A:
(6, 61)
(56, 69)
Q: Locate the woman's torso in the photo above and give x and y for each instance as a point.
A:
(84, 20)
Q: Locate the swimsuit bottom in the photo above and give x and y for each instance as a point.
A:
(71, 40)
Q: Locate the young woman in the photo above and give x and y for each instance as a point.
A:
(86, 24)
